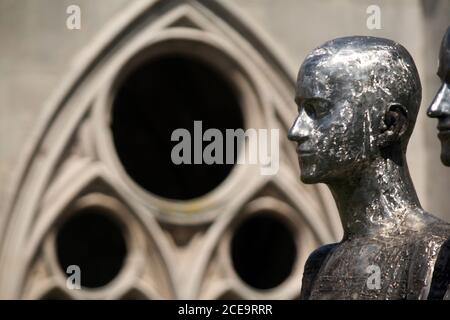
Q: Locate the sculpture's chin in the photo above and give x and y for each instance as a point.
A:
(311, 173)
(445, 158)
(445, 152)
(309, 179)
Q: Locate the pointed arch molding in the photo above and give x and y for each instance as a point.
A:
(72, 135)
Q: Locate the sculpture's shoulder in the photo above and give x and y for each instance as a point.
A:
(433, 234)
(437, 227)
(429, 274)
(312, 267)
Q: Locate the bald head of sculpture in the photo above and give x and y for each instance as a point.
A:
(440, 107)
(358, 99)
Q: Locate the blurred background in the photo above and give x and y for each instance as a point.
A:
(86, 114)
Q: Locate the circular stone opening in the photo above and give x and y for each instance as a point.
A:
(160, 96)
(263, 251)
(95, 243)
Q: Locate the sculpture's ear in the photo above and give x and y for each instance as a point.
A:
(395, 124)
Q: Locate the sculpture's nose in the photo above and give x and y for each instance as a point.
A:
(440, 107)
(299, 130)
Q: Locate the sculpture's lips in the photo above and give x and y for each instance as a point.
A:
(302, 152)
(444, 133)
(444, 128)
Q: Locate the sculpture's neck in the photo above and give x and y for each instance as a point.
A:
(377, 200)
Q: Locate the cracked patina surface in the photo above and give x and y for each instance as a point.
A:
(358, 99)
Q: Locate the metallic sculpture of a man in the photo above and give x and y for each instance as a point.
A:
(358, 98)
(440, 107)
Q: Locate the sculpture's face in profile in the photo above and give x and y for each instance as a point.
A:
(440, 107)
(333, 131)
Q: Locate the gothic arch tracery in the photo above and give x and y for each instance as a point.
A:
(175, 249)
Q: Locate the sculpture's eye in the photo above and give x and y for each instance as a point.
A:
(444, 72)
(309, 109)
(316, 109)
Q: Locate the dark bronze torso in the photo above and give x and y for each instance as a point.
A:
(413, 264)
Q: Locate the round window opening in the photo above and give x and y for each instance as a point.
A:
(161, 95)
(263, 251)
(94, 242)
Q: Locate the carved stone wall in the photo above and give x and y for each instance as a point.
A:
(80, 197)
